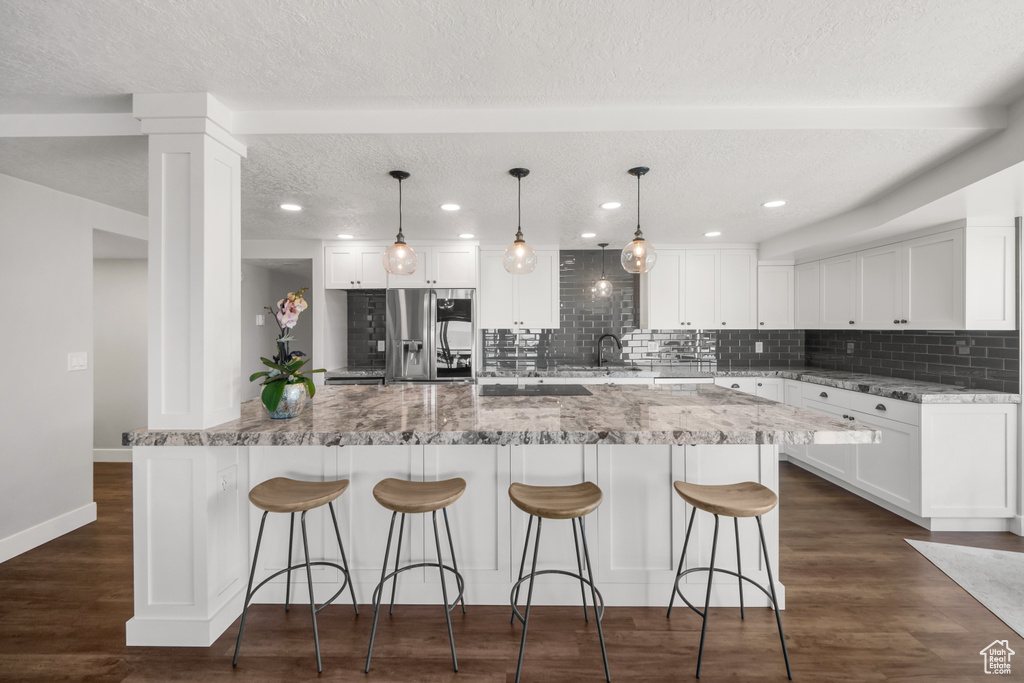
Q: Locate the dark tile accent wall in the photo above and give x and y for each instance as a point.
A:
(584, 318)
(782, 349)
(366, 314)
(972, 359)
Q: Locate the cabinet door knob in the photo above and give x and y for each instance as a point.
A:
(880, 407)
(904, 322)
(759, 384)
(896, 322)
(723, 323)
(851, 322)
(846, 417)
(688, 323)
(351, 282)
(359, 282)
(735, 386)
(823, 395)
(761, 323)
(852, 418)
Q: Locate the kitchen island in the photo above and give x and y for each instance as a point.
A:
(194, 527)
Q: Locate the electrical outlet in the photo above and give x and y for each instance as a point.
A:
(758, 347)
(226, 480)
(849, 347)
(652, 346)
(78, 360)
(259, 319)
(380, 345)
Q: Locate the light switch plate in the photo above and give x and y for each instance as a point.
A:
(380, 345)
(259, 319)
(78, 360)
(652, 346)
(758, 347)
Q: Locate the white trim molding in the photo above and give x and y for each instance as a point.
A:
(35, 536)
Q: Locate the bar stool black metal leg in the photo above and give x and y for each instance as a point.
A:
(444, 592)
(593, 594)
(775, 602)
(379, 591)
(288, 563)
(522, 565)
(579, 567)
(398, 557)
(312, 601)
(248, 590)
(529, 599)
(455, 563)
(679, 570)
(739, 567)
(344, 560)
(707, 598)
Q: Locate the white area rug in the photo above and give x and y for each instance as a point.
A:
(994, 577)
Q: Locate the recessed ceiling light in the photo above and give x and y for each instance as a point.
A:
(450, 207)
(713, 233)
(589, 234)
(344, 237)
(611, 205)
(291, 207)
(467, 235)
(774, 203)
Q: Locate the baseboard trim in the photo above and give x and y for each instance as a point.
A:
(33, 537)
(111, 455)
(1017, 525)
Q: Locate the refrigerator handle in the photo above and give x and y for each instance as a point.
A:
(430, 319)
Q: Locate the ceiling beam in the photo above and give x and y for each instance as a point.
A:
(613, 119)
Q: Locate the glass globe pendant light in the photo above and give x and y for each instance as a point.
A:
(638, 256)
(603, 287)
(399, 258)
(519, 258)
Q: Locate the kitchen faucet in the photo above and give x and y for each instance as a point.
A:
(600, 347)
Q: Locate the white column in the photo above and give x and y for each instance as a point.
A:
(194, 261)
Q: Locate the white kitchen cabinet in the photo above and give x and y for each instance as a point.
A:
(354, 268)
(775, 297)
(839, 292)
(807, 296)
(701, 289)
(764, 387)
(831, 459)
(514, 301)
(446, 267)
(990, 277)
(932, 294)
(891, 469)
(880, 288)
(747, 385)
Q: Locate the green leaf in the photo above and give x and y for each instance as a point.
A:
(271, 364)
(310, 372)
(294, 365)
(253, 376)
(277, 378)
(310, 387)
(271, 394)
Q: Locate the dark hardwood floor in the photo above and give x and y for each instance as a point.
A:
(862, 606)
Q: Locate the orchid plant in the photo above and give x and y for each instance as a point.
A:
(286, 366)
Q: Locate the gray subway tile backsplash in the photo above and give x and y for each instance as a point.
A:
(366, 316)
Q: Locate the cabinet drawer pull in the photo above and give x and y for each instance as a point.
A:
(904, 322)
(823, 395)
(735, 386)
(851, 322)
(880, 407)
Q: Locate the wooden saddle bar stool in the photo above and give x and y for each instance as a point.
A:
(414, 497)
(745, 499)
(557, 502)
(290, 496)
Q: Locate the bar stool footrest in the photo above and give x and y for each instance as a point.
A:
(515, 587)
(378, 590)
(302, 565)
(730, 572)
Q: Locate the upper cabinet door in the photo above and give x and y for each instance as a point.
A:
(662, 288)
(453, 267)
(373, 275)
(701, 289)
(496, 300)
(991, 293)
(933, 281)
(775, 297)
(880, 288)
(737, 289)
(538, 292)
(807, 296)
(340, 266)
(839, 292)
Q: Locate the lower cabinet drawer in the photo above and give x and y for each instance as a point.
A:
(887, 408)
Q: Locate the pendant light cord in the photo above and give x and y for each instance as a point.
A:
(520, 202)
(638, 203)
(400, 207)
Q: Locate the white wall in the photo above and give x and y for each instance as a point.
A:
(120, 353)
(264, 287)
(46, 420)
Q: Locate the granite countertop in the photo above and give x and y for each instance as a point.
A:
(877, 385)
(456, 414)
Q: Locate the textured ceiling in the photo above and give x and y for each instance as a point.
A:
(90, 55)
(300, 54)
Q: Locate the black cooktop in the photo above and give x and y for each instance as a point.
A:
(534, 390)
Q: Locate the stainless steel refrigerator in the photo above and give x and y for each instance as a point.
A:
(431, 335)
